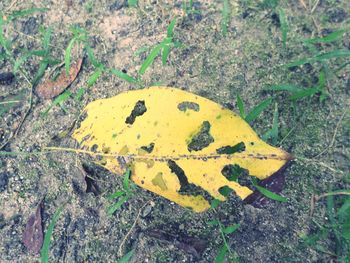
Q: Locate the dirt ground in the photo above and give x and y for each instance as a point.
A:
(250, 57)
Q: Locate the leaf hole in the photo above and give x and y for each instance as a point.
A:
(148, 148)
(239, 147)
(138, 110)
(202, 139)
(188, 105)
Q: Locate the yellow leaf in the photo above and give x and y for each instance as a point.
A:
(177, 144)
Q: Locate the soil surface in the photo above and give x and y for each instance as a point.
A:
(246, 60)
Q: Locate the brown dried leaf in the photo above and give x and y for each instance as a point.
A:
(33, 233)
(52, 88)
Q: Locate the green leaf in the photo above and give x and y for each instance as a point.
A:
(149, 60)
(268, 193)
(255, 112)
(334, 36)
(165, 54)
(67, 54)
(170, 29)
(46, 244)
(221, 255)
(230, 229)
(126, 257)
(117, 205)
(123, 76)
(133, 3)
(94, 76)
(240, 105)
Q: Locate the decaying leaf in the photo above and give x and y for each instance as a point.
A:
(178, 145)
(52, 88)
(33, 233)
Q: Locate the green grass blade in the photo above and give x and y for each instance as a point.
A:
(273, 132)
(117, 205)
(126, 257)
(221, 255)
(133, 3)
(41, 71)
(284, 87)
(333, 54)
(170, 29)
(25, 12)
(334, 36)
(225, 17)
(255, 112)
(126, 180)
(94, 77)
(123, 76)
(47, 38)
(149, 60)
(230, 229)
(46, 244)
(241, 107)
(58, 101)
(284, 26)
(268, 193)
(304, 93)
(91, 56)
(116, 195)
(68, 54)
(165, 54)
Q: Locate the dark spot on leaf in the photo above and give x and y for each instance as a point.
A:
(188, 105)
(202, 139)
(174, 168)
(33, 233)
(239, 147)
(148, 148)
(138, 110)
(94, 148)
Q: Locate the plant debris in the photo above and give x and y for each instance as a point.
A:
(33, 234)
(52, 88)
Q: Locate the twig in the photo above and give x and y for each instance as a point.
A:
(11, 5)
(315, 6)
(9, 102)
(318, 197)
(334, 136)
(303, 4)
(120, 250)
